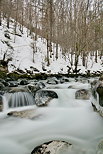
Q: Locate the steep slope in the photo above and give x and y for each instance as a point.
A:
(19, 47)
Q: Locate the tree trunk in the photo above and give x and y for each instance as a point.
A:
(56, 51)
(51, 22)
(83, 59)
(48, 62)
(16, 20)
(8, 20)
(76, 63)
(96, 55)
(0, 14)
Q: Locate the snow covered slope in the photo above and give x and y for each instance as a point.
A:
(19, 47)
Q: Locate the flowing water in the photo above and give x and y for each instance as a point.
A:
(65, 119)
(17, 99)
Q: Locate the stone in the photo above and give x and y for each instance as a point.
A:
(23, 82)
(101, 78)
(7, 35)
(52, 147)
(35, 87)
(8, 79)
(43, 97)
(13, 83)
(100, 147)
(97, 96)
(34, 69)
(64, 79)
(1, 86)
(82, 94)
(1, 103)
(18, 89)
(52, 80)
(99, 90)
(28, 114)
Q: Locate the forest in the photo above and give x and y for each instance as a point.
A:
(51, 76)
(74, 25)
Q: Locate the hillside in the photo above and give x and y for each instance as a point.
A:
(20, 48)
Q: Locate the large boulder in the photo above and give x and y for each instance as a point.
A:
(93, 88)
(101, 78)
(35, 87)
(28, 114)
(82, 94)
(52, 80)
(97, 95)
(24, 82)
(3, 82)
(43, 97)
(1, 86)
(99, 90)
(100, 147)
(52, 147)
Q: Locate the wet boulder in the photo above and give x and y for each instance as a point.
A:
(43, 97)
(12, 83)
(97, 96)
(35, 87)
(71, 87)
(64, 79)
(18, 89)
(41, 85)
(100, 147)
(3, 82)
(23, 82)
(1, 103)
(82, 94)
(52, 147)
(2, 92)
(101, 78)
(93, 89)
(99, 90)
(52, 80)
(1, 86)
(28, 114)
(8, 79)
(94, 83)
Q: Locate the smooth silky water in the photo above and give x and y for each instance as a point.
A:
(65, 119)
(17, 99)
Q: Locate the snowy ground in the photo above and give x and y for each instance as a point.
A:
(22, 53)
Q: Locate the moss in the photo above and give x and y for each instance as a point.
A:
(41, 76)
(3, 74)
(13, 76)
(25, 76)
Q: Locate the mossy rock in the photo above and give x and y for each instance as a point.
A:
(41, 76)
(3, 74)
(26, 76)
(13, 75)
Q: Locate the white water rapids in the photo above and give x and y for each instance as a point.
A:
(65, 119)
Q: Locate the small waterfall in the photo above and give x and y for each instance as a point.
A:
(5, 103)
(17, 99)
